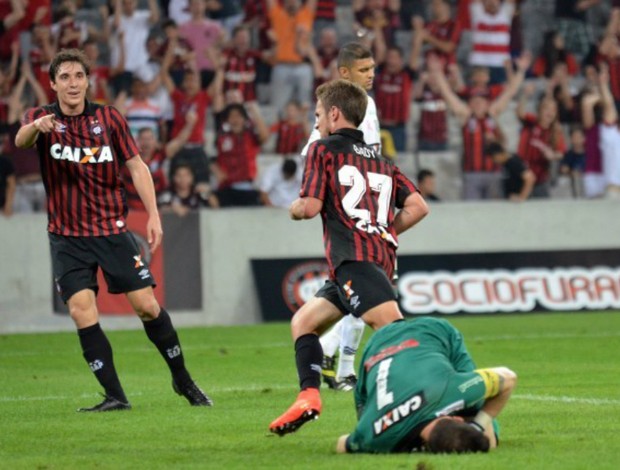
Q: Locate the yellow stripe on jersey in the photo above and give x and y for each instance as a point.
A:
(491, 380)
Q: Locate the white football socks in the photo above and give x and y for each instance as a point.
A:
(331, 339)
(351, 336)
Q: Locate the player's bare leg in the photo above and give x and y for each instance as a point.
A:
(310, 320)
(161, 332)
(383, 314)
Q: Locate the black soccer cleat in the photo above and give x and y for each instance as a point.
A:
(347, 384)
(108, 404)
(192, 392)
(328, 372)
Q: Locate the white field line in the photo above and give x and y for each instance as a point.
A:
(205, 347)
(259, 388)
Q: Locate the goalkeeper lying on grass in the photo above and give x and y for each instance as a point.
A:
(419, 390)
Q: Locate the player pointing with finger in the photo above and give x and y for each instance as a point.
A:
(81, 147)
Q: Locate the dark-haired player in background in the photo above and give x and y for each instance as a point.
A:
(356, 191)
(418, 389)
(81, 148)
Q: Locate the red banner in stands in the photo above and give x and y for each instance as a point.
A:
(117, 304)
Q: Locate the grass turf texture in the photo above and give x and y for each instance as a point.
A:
(564, 414)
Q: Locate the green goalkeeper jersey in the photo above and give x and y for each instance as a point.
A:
(412, 372)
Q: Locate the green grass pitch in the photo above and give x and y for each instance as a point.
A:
(564, 414)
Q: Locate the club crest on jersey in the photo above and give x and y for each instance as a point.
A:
(397, 414)
(96, 128)
(81, 155)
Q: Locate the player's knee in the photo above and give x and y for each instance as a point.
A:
(147, 308)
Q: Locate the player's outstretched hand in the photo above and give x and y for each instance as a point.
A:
(45, 124)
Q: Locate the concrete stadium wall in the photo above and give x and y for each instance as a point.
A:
(230, 238)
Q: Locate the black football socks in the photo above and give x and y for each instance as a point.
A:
(308, 357)
(97, 351)
(163, 335)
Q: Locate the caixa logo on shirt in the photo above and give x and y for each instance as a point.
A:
(101, 154)
(399, 413)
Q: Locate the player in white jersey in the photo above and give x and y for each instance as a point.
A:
(356, 64)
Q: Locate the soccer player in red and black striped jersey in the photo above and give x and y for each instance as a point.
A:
(478, 118)
(81, 147)
(357, 193)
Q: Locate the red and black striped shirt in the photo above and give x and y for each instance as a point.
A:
(449, 31)
(477, 134)
(393, 95)
(433, 118)
(236, 155)
(240, 73)
(80, 165)
(291, 137)
(532, 134)
(360, 191)
(326, 10)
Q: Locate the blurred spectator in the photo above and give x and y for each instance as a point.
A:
(517, 179)
(609, 139)
(256, 16)
(238, 143)
(7, 81)
(292, 130)
(541, 140)
(574, 162)
(12, 13)
(291, 77)
(98, 80)
(393, 92)
(226, 12)
(479, 83)
(241, 64)
(140, 110)
(7, 180)
(426, 185)
(70, 33)
(19, 16)
(184, 195)
(178, 11)
(553, 54)
(490, 24)
(189, 96)
(326, 68)
(441, 35)
(41, 53)
(183, 57)
(592, 118)
(156, 156)
(280, 183)
(325, 15)
(478, 119)
(29, 192)
(559, 89)
(571, 22)
(433, 121)
(206, 38)
(373, 15)
(609, 53)
(135, 26)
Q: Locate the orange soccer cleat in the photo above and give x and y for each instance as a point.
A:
(306, 408)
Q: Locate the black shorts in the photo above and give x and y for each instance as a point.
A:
(75, 261)
(359, 286)
(362, 286)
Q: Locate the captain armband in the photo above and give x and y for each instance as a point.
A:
(492, 382)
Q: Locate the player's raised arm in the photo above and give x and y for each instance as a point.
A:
(28, 133)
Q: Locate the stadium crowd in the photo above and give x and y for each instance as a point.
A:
(219, 94)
